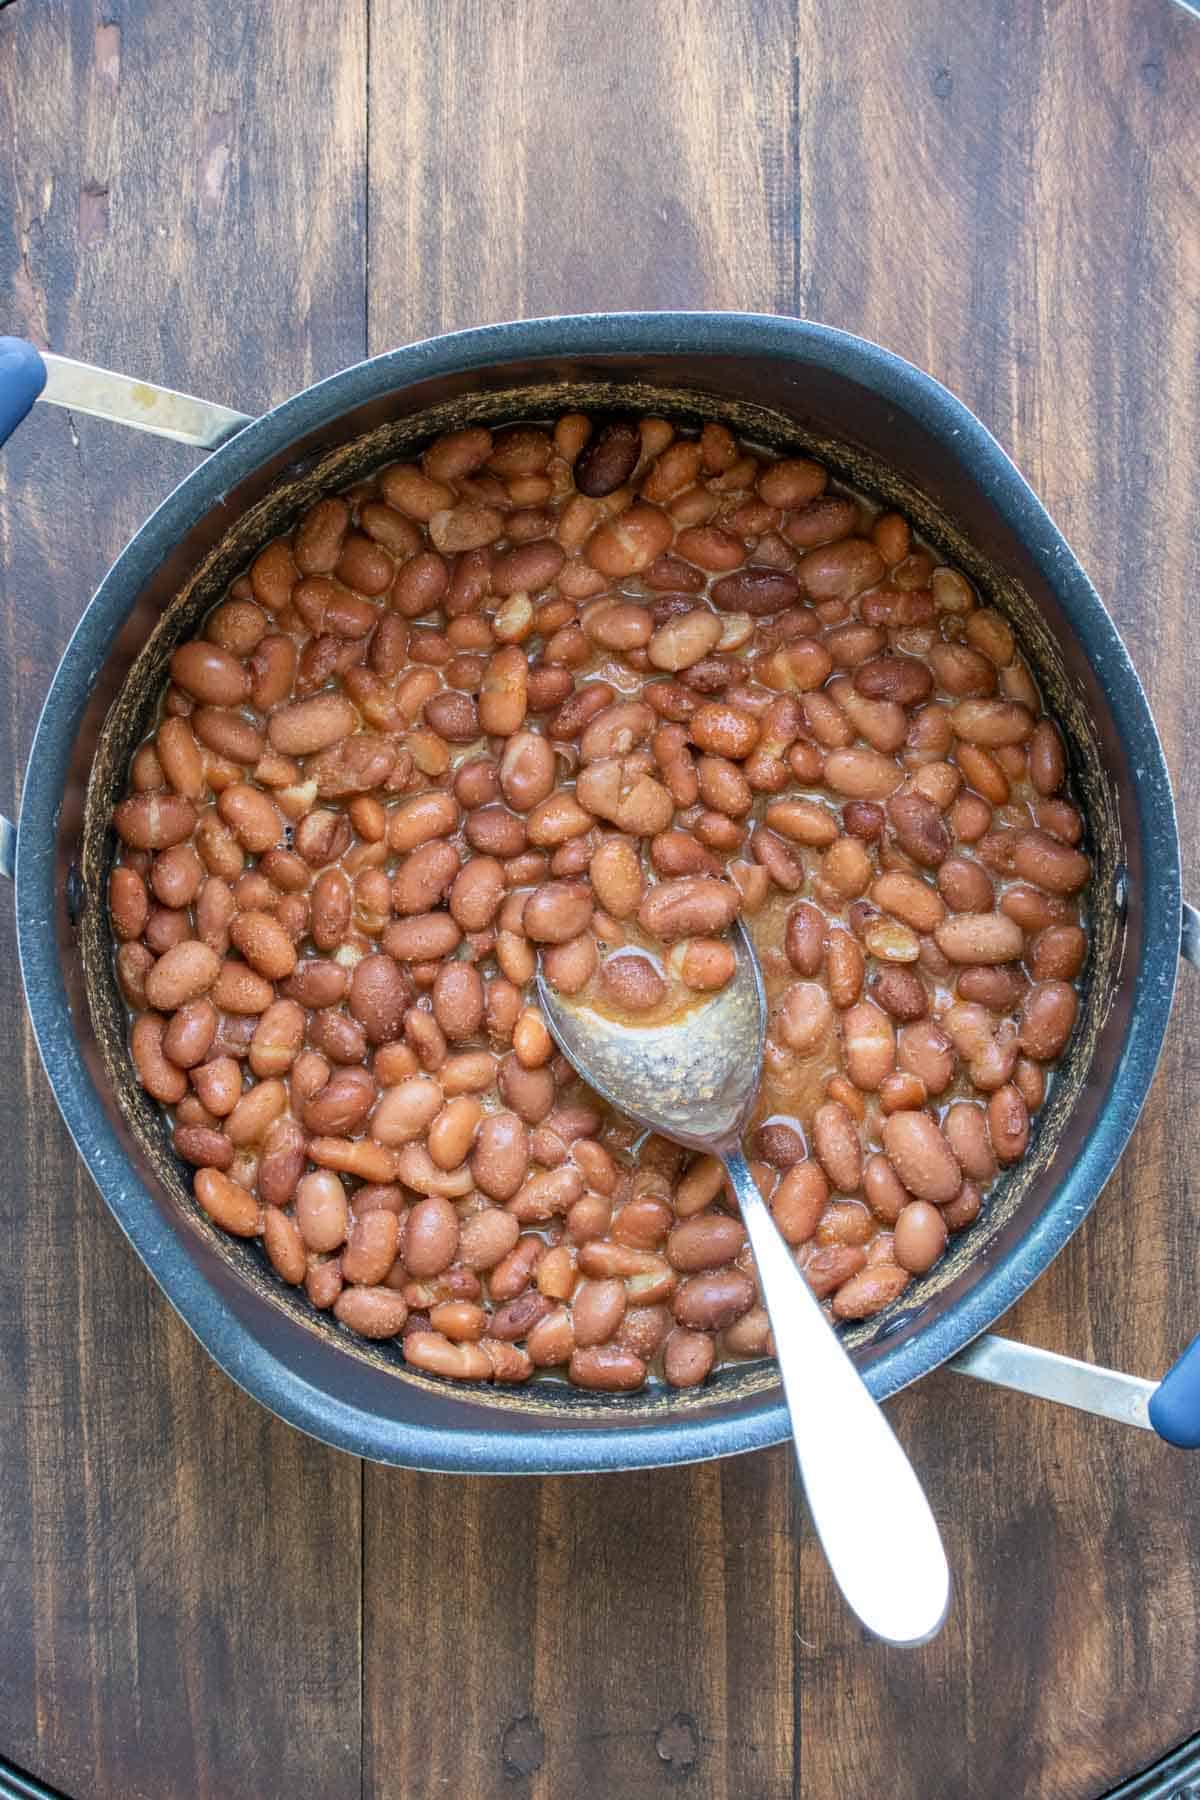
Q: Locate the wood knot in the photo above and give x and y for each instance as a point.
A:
(523, 1746)
(678, 1743)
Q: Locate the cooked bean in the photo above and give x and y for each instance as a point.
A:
(966, 1130)
(687, 908)
(597, 1310)
(1058, 953)
(371, 1247)
(918, 1151)
(802, 1017)
(688, 1357)
(919, 1236)
(1047, 1017)
(182, 974)
(1039, 858)
(862, 774)
(1008, 1123)
(863, 1295)
(154, 821)
(632, 982)
(714, 1299)
(868, 1044)
(432, 1237)
(773, 644)
(845, 968)
(980, 938)
(227, 1204)
(707, 1241)
(992, 722)
(453, 1130)
(706, 964)
(606, 1367)
(608, 459)
(920, 830)
(909, 899)
(264, 943)
(189, 1035)
(836, 1142)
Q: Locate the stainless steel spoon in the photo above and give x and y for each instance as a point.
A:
(695, 1081)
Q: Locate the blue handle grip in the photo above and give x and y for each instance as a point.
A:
(22, 378)
(1175, 1404)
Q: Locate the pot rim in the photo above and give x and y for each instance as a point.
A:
(561, 1448)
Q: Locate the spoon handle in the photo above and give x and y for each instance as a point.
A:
(853, 1470)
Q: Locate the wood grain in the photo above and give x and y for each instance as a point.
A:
(192, 1603)
(179, 1574)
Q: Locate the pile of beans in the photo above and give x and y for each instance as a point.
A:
(593, 691)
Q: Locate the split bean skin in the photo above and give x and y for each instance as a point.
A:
(586, 693)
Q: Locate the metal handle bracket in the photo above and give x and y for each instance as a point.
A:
(103, 394)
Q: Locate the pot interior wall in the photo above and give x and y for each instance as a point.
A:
(788, 408)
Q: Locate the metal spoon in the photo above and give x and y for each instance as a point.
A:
(695, 1081)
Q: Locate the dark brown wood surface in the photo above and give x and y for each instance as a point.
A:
(196, 1601)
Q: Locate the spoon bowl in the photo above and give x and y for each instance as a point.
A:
(694, 1080)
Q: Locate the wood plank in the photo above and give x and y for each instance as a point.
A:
(607, 1637)
(577, 159)
(180, 1576)
(1032, 174)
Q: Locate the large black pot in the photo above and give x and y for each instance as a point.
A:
(878, 422)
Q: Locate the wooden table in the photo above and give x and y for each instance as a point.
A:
(194, 1599)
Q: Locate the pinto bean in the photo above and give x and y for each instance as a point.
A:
(845, 968)
(431, 1240)
(714, 1299)
(1008, 1123)
(1047, 1018)
(920, 830)
(965, 886)
(838, 1147)
(862, 774)
(980, 938)
(606, 1368)
(909, 899)
(691, 907)
(901, 993)
(799, 1201)
(1043, 860)
(706, 965)
(802, 1017)
(184, 973)
(608, 459)
(227, 1204)
(991, 723)
(921, 1156)
(1058, 953)
(966, 1130)
(706, 1241)
(154, 821)
(868, 1044)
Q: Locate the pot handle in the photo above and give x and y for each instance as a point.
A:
(1170, 1406)
(22, 378)
(27, 375)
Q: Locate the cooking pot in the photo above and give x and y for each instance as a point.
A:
(878, 423)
